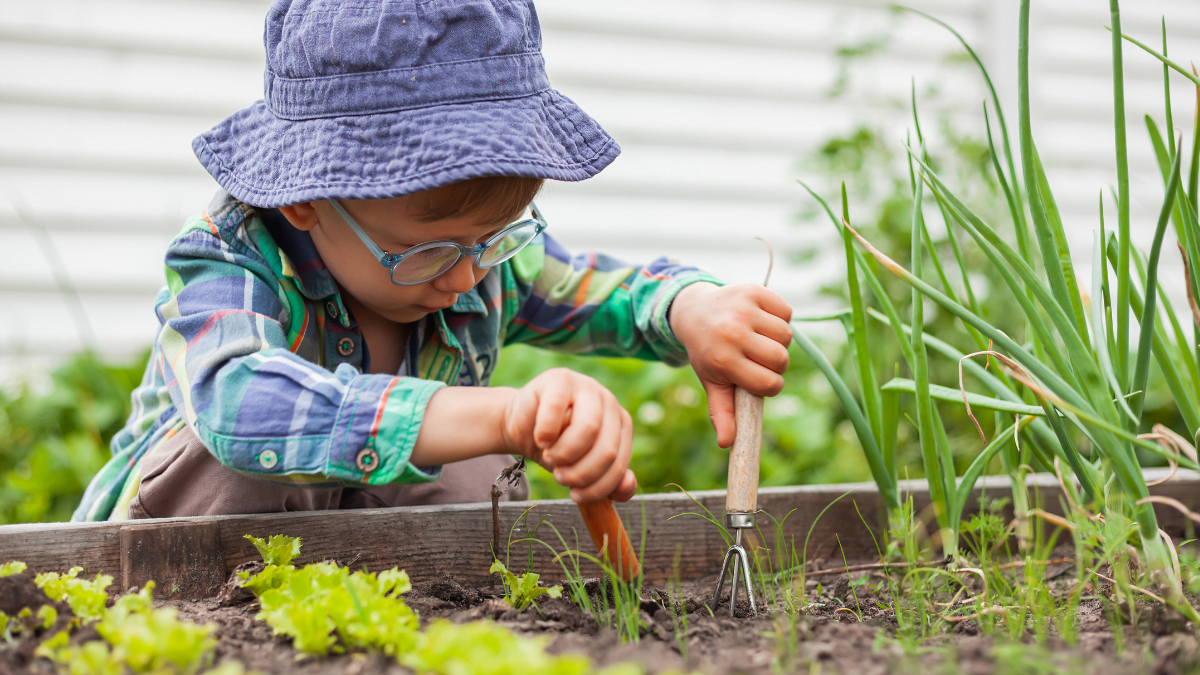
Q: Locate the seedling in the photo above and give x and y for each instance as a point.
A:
(86, 598)
(523, 590)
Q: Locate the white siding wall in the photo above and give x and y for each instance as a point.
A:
(713, 101)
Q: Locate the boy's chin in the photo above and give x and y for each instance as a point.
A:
(409, 313)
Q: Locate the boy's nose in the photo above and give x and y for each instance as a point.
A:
(460, 278)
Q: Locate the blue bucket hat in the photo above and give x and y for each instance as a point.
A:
(367, 99)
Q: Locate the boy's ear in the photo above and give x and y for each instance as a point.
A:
(302, 216)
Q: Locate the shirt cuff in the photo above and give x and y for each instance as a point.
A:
(662, 309)
(373, 444)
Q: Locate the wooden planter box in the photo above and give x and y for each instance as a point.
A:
(192, 557)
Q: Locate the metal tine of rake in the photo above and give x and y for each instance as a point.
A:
(741, 499)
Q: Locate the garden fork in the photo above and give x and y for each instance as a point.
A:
(741, 500)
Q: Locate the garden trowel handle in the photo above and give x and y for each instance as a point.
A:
(612, 541)
(743, 457)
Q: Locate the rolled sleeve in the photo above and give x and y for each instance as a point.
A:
(655, 317)
(258, 407)
(595, 304)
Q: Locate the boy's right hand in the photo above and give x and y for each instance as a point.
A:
(576, 429)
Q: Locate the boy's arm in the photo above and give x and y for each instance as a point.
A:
(592, 303)
(227, 330)
(261, 409)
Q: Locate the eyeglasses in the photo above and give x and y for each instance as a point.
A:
(428, 261)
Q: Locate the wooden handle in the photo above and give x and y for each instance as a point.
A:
(743, 458)
(611, 539)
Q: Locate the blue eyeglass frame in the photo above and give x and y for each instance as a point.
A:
(393, 260)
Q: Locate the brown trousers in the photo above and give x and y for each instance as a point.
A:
(182, 478)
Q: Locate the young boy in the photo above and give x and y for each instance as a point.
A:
(330, 324)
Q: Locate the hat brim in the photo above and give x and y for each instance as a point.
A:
(268, 161)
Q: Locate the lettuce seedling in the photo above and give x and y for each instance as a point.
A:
(277, 549)
(10, 568)
(137, 637)
(523, 590)
(277, 553)
(485, 648)
(86, 598)
(323, 602)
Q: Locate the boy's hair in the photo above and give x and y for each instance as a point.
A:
(500, 199)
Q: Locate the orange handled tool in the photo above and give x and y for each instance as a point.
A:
(610, 536)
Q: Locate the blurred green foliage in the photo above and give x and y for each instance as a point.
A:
(54, 439)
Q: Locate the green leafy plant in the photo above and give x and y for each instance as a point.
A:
(617, 602)
(87, 599)
(138, 637)
(12, 567)
(484, 648)
(277, 549)
(54, 439)
(522, 590)
(323, 608)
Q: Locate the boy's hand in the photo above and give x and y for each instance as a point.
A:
(575, 428)
(735, 336)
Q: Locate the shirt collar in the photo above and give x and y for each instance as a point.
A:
(469, 303)
(311, 275)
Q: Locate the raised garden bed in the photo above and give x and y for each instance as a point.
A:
(447, 551)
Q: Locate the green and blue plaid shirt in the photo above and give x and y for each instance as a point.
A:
(258, 354)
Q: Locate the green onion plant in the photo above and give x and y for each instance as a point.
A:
(1068, 396)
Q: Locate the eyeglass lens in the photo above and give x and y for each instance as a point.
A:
(427, 264)
(507, 246)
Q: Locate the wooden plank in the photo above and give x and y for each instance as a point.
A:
(56, 547)
(183, 558)
(429, 541)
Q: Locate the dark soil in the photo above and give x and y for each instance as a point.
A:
(826, 639)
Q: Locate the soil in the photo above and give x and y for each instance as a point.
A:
(828, 638)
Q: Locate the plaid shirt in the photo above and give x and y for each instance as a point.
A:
(258, 355)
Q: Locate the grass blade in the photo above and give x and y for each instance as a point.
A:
(1116, 30)
(1099, 324)
(872, 281)
(973, 472)
(1063, 253)
(950, 395)
(879, 470)
(934, 472)
(1142, 370)
(868, 385)
(1122, 309)
(1167, 82)
(1185, 402)
(1018, 213)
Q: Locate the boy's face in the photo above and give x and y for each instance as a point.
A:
(390, 224)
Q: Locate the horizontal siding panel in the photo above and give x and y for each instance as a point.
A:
(714, 102)
(122, 324)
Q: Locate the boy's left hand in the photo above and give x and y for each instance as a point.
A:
(735, 336)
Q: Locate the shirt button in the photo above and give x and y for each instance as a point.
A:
(345, 346)
(268, 459)
(332, 308)
(367, 460)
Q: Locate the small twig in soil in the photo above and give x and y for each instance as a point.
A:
(1022, 563)
(512, 475)
(986, 610)
(875, 566)
(1131, 587)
